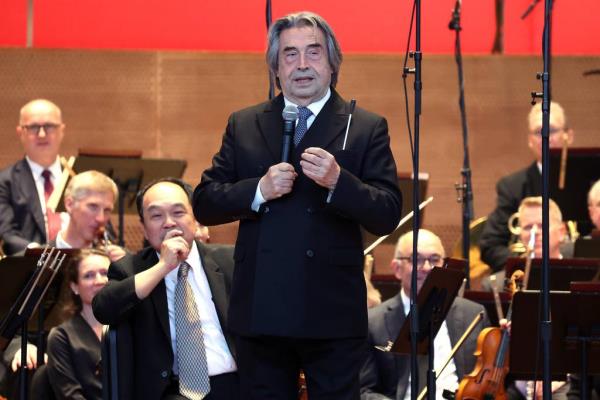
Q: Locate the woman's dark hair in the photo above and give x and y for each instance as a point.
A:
(73, 304)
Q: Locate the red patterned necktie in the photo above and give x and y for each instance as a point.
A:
(52, 217)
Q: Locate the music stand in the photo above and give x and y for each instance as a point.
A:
(575, 334)
(486, 299)
(582, 170)
(130, 173)
(433, 301)
(562, 272)
(587, 248)
(42, 274)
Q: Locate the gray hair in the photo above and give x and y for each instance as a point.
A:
(303, 18)
(85, 183)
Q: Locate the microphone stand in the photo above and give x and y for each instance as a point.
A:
(464, 190)
(269, 18)
(546, 324)
(414, 322)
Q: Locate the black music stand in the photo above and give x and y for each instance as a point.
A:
(582, 170)
(587, 247)
(35, 286)
(433, 300)
(575, 344)
(486, 299)
(130, 173)
(562, 272)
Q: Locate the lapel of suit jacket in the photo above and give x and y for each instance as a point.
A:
(455, 321)
(534, 178)
(159, 295)
(394, 318)
(26, 184)
(270, 124)
(328, 125)
(216, 282)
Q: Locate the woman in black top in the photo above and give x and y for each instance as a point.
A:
(74, 346)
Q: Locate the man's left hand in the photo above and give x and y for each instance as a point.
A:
(320, 166)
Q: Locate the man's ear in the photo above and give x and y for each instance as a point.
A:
(69, 204)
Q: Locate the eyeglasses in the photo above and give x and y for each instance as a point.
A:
(554, 130)
(435, 260)
(34, 129)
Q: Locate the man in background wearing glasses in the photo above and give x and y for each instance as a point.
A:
(386, 375)
(26, 185)
(527, 182)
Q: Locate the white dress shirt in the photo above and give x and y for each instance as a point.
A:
(442, 348)
(218, 356)
(316, 108)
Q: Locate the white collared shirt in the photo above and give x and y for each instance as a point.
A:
(316, 108)
(442, 347)
(55, 172)
(218, 356)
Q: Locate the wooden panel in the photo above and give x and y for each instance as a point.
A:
(175, 104)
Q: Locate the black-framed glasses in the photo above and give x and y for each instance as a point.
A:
(435, 260)
(554, 130)
(34, 129)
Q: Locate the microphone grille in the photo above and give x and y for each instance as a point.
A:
(290, 113)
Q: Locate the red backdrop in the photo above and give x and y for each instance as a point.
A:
(228, 25)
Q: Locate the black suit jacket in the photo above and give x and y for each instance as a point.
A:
(385, 375)
(299, 259)
(21, 216)
(510, 190)
(150, 360)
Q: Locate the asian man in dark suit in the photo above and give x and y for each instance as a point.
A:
(298, 295)
(387, 376)
(142, 292)
(511, 189)
(24, 185)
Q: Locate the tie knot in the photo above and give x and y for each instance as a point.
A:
(46, 174)
(304, 113)
(184, 268)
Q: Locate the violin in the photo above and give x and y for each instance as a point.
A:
(487, 379)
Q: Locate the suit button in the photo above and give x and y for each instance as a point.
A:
(164, 374)
(310, 253)
(267, 209)
(310, 210)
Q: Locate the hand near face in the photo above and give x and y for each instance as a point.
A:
(174, 249)
(320, 166)
(115, 252)
(278, 181)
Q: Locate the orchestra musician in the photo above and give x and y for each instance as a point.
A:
(594, 207)
(530, 219)
(515, 187)
(387, 376)
(26, 185)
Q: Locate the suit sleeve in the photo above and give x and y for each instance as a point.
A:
(115, 302)
(222, 197)
(61, 369)
(495, 237)
(9, 234)
(369, 375)
(373, 199)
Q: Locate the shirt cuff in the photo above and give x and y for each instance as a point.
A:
(258, 199)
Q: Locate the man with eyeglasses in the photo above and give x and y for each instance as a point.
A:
(527, 182)
(26, 185)
(386, 375)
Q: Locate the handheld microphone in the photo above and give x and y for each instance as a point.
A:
(290, 115)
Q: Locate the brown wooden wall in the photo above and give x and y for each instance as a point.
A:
(175, 104)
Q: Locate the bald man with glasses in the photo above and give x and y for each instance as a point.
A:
(26, 185)
(386, 375)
